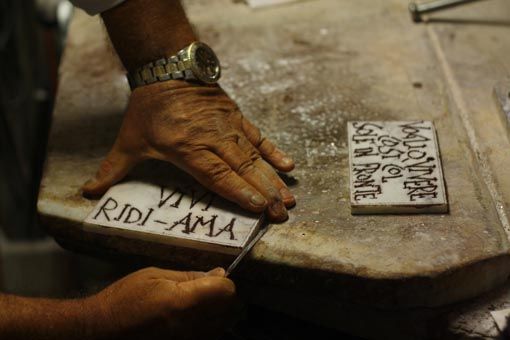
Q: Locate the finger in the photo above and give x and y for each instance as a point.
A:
(113, 168)
(288, 198)
(243, 165)
(216, 272)
(269, 152)
(209, 301)
(205, 290)
(216, 175)
(172, 275)
(268, 171)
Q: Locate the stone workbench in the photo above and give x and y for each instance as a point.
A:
(301, 72)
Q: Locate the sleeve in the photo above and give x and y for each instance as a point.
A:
(94, 7)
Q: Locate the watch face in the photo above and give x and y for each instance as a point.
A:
(206, 66)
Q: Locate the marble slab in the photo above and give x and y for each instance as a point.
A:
(179, 212)
(323, 264)
(395, 167)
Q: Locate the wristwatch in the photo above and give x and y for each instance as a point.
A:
(195, 62)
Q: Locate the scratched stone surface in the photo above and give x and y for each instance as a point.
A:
(172, 210)
(301, 72)
(395, 167)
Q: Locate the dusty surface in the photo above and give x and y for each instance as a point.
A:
(301, 72)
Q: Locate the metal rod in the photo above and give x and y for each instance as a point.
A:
(245, 251)
(417, 10)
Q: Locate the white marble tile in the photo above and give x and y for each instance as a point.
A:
(179, 212)
(265, 3)
(395, 167)
(501, 318)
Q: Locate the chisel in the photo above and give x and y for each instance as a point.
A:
(245, 251)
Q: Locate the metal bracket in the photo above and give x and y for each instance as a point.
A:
(417, 10)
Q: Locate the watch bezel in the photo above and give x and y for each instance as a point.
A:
(195, 68)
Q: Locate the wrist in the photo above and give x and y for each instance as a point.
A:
(145, 30)
(93, 318)
(33, 318)
(169, 86)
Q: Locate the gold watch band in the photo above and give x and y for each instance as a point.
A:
(194, 62)
(162, 69)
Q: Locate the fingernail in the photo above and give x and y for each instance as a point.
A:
(216, 272)
(89, 184)
(258, 200)
(279, 210)
(287, 161)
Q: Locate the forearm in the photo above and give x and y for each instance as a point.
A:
(34, 318)
(145, 30)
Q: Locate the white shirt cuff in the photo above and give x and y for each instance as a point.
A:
(93, 7)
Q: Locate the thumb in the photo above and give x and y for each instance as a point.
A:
(112, 169)
(216, 272)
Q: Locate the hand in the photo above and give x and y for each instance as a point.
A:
(163, 304)
(201, 130)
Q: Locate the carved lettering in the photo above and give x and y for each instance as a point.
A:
(182, 209)
(134, 215)
(229, 228)
(394, 163)
(107, 207)
(164, 199)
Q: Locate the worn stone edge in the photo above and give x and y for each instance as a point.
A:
(391, 292)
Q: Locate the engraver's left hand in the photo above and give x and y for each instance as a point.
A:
(201, 130)
(155, 303)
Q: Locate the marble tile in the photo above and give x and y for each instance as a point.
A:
(501, 318)
(395, 167)
(266, 3)
(179, 212)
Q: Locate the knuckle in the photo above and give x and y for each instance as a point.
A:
(245, 167)
(106, 167)
(230, 138)
(148, 271)
(188, 275)
(225, 144)
(269, 147)
(256, 136)
(217, 173)
(255, 155)
(261, 142)
(235, 116)
(162, 140)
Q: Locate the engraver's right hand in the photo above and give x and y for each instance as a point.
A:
(201, 130)
(155, 303)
